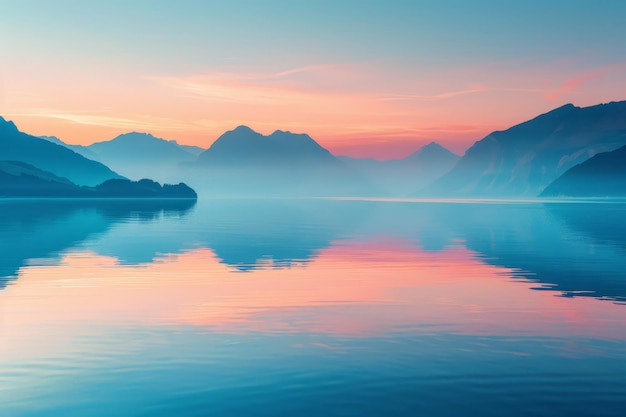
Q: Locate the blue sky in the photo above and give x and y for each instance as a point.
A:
(418, 48)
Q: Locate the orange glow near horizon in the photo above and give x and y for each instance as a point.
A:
(360, 109)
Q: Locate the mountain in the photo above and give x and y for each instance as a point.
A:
(523, 160)
(603, 175)
(141, 155)
(243, 162)
(245, 146)
(79, 149)
(404, 177)
(50, 157)
(18, 179)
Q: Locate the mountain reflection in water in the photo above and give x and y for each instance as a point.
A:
(231, 305)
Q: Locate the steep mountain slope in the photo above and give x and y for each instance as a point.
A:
(523, 160)
(603, 175)
(47, 156)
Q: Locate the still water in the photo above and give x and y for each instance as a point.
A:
(312, 308)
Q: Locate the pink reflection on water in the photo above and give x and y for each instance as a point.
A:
(355, 289)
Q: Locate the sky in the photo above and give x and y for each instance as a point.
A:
(364, 78)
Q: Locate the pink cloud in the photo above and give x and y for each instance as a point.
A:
(440, 96)
(377, 109)
(569, 86)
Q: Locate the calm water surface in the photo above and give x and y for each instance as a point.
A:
(312, 308)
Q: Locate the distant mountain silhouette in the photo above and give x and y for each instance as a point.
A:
(50, 157)
(604, 175)
(404, 177)
(141, 155)
(245, 163)
(524, 159)
(18, 179)
(79, 149)
(245, 146)
(31, 231)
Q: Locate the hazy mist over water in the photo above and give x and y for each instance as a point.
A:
(312, 307)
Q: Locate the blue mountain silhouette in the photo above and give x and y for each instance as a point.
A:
(139, 155)
(523, 160)
(246, 163)
(50, 157)
(245, 146)
(603, 175)
(18, 179)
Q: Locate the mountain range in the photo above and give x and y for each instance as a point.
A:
(36, 167)
(242, 162)
(245, 162)
(523, 160)
(520, 162)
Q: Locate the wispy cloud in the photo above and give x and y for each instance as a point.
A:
(279, 88)
(570, 86)
(97, 119)
(440, 96)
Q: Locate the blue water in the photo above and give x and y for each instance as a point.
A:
(312, 307)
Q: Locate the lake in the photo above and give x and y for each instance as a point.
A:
(312, 308)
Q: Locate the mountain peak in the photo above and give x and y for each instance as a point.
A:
(564, 109)
(568, 106)
(7, 125)
(50, 157)
(561, 111)
(432, 149)
(136, 135)
(432, 145)
(243, 129)
(281, 132)
(523, 159)
(243, 145)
